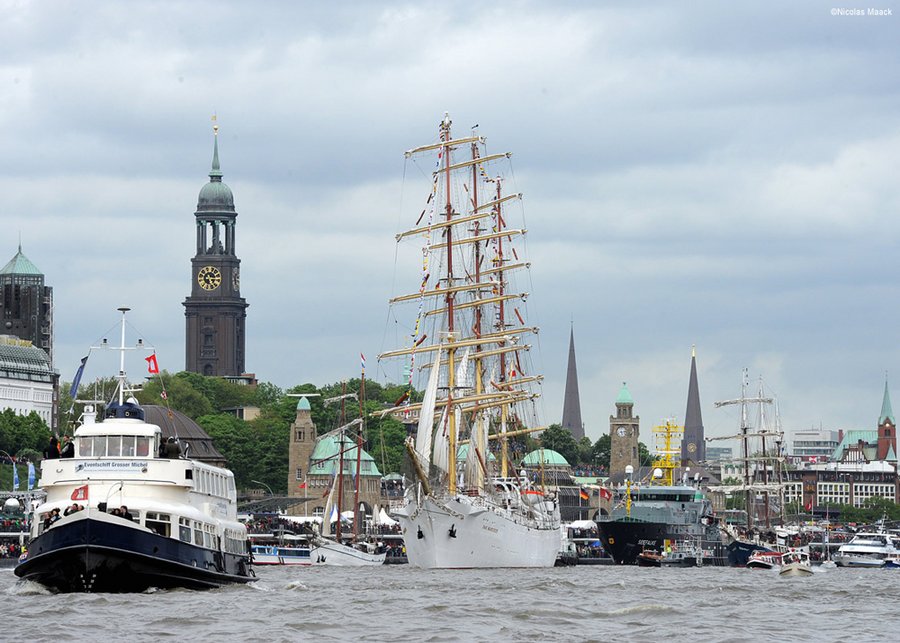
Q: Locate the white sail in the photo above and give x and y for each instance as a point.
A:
(469, 307)
(329, 509)
(425, 431)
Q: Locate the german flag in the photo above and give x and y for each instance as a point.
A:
(584, 495)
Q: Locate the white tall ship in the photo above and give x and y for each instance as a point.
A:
(468, 340)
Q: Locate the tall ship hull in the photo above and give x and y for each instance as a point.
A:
(467, 532)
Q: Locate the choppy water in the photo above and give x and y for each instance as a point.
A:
(398, 602)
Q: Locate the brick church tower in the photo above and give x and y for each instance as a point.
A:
(215, 312)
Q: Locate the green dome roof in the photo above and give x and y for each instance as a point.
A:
(303, 404)
(325, 459)
(624, 396)
(550, 457)
(215, 196)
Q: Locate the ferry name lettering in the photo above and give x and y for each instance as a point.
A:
(114, 464)
(647, 542)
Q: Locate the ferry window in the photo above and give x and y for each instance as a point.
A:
(184, 530)
(85, 447)
(143, 447)
(160, 523)
(128, 446)
(114, 445)
(198, 533)
(99, 446)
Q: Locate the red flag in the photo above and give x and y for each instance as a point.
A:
(152, 366)
(302, 486)
(605, 493)
(809, 506)
(325, 495)
(81, 493)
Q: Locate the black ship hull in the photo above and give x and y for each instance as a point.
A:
(626, 539)
(89, 555)
(739, 552)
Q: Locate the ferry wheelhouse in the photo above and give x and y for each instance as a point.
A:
(124, 515)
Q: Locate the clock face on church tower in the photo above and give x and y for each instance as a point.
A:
(622, 431)
(209, 277)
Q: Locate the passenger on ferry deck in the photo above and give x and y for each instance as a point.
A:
(68, 449)
(123, 511)
(173, 449)
(52, 451)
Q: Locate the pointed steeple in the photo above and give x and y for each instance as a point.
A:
(693, 445)
(887, 413)
(571, 418)
(215, 174)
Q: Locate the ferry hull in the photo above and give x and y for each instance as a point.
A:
(90, 555)
(458, 534)
(740, 551)
(625, 540)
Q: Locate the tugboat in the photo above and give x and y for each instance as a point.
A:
(648, 518)
(127, 512)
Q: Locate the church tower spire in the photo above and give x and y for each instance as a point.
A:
(215, 312)
(693, 445)
(571, 417)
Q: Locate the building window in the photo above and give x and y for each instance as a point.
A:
(299, 473)
(300, 435)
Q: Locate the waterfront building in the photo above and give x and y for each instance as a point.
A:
(693, 444)
(546, 467)
(571, 417)
(215, 312)
(28, 381)
(850, 483)
(864, 446)
(26, 306)
(624, 432)
(813, 445)
(719, 454)
(314, 463)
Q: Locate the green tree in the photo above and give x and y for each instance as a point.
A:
(560, 440)
(600, 451)
(20, 432)
(181, 395)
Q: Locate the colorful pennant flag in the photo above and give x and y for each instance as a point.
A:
(31, 476)
(362, 359)
(152, 365)
(15, 477)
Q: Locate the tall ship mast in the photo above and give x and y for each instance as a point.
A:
(468, 344)
(762, 484)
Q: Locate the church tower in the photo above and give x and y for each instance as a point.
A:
(693, 445)
(215, 312)
(887, 429)
(571, 417)
(624, 431)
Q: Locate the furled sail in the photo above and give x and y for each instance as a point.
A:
(425, 431)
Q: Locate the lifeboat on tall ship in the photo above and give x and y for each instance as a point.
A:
(128, 512)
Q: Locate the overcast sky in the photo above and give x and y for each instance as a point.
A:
(724, 175)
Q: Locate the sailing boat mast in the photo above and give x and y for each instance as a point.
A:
(359, 445)
(340, 498)
(451, 349)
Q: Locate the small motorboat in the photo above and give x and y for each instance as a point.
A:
(762, 559)
(795, 563)
(649, 558)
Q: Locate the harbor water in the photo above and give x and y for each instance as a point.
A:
(605, 603)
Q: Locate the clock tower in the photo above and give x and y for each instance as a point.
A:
(624, 431)
(215, 312)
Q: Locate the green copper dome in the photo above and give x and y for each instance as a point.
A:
(624, 396)
(545, 457)
(303, 404)
(325, 459)
(215, 196)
